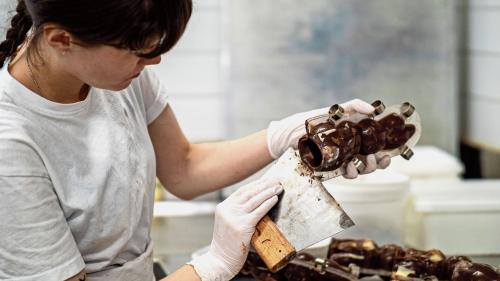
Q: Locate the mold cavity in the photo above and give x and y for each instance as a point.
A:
(310, 153)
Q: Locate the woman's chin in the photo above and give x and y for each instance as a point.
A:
(116, 86)
(120, 86)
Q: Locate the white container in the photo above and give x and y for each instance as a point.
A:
(428, 163)
(180, 227)
(459, 218)
(375, 202)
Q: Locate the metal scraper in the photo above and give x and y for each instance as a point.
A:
(305, 214)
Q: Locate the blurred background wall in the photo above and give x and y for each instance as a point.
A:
(289, 57)
(243, 63)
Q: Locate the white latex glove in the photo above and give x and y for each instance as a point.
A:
(286, 133)
(235, 221)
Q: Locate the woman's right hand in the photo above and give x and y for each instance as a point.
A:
(235, 221)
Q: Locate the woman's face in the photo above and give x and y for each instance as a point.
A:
(107, 67)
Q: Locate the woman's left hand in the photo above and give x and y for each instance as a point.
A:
(235, 222)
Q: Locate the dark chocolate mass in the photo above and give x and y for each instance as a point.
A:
(328, 146)
(349, 260)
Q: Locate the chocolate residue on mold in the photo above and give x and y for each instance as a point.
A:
(328, 147)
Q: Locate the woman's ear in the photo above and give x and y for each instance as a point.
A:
(57, 38)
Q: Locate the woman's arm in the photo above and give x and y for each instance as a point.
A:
(185, 273)
(189, 170)
(82, 276)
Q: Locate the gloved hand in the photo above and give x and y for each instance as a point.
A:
(286, 133)
(235, 221)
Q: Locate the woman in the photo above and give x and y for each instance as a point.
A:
(85, 128)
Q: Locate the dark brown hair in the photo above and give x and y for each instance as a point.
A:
(127, 24)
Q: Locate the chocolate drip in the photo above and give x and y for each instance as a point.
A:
(328, 146)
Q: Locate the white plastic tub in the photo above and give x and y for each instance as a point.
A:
(375, 202)
(428, 163)
(180, 227)
(455, 217)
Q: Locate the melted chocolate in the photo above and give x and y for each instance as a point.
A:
(328, 146)
(373, 136)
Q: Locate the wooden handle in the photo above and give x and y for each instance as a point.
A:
(272, 247)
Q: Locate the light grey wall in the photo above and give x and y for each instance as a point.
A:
(289, 56)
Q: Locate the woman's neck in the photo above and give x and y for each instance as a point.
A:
(47, 79)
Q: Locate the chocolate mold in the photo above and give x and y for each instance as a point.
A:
(334, 139)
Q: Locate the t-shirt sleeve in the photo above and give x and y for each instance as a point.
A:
(154, 94)
(35, 240)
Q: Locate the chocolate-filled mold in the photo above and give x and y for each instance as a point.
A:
(332, 140)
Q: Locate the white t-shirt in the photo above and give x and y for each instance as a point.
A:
(77, 182)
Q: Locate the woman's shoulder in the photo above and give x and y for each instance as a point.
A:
(18, 150)
(16, 130)
(13, 118)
